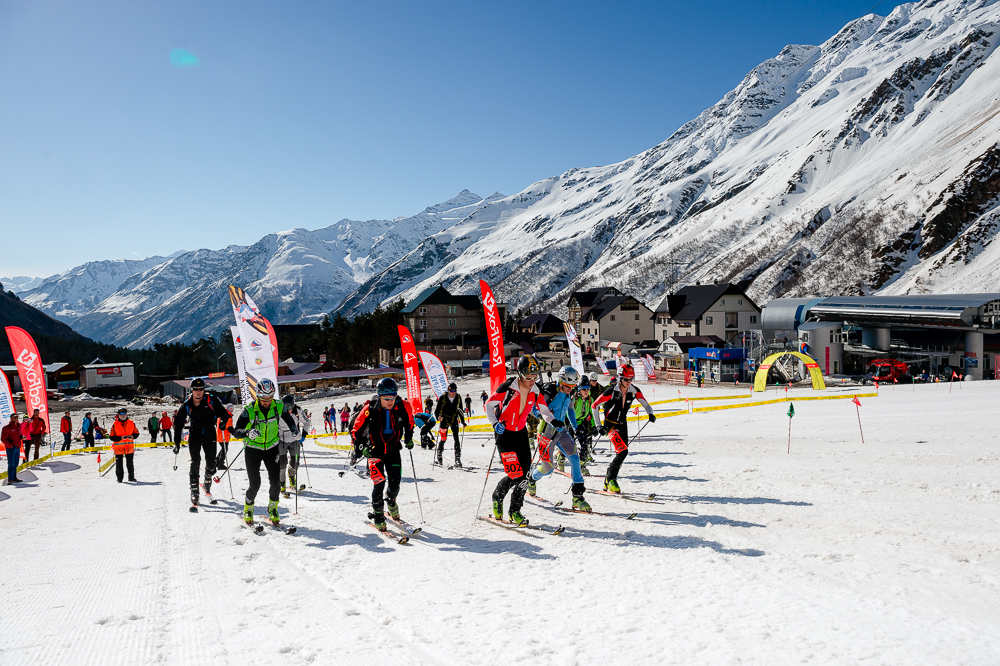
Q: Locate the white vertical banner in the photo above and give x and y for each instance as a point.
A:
(573, 342)
(6, 401)
(640, 370)
(241, 364)
(436, 375)
(604, 367)
(650, 366)
(259, 347)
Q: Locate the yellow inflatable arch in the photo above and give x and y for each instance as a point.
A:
(760, 379)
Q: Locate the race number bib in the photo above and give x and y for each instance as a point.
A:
(617, 441)
(511, 466)
(543, 448)
(376, 476)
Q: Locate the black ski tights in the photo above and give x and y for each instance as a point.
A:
(391, 471)
(254, 457)
(616, 462)
(515, 456)
(196, 448)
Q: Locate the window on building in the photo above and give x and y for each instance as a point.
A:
(722, 302)
(630, 304)
(612, 317)
(423, 323)
(805, 337)
(423, 336)
(637, 317)
(688, 333)
(708, 321)
(423, 310)
(753, 319)
(665, 336)
(637, 331)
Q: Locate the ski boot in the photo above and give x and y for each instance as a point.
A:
(439, 458)
(498, 510)
(611, 486)
(580, 504)
(518, 519)
(248, 513)
(379, 520)
(272, 511)
(532, 488)
(292, 483)
(458, 462)
(206, 488)
(393, 509)
(283, 489)
(561, 462)
(583, 469)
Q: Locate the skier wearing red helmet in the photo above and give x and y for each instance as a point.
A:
(617, 400)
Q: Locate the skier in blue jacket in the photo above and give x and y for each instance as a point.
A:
(560, 433)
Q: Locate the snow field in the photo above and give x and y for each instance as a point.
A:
(839, 553)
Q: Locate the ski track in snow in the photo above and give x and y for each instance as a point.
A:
(839, 553)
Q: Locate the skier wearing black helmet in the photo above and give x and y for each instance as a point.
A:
(380, 430)
(617, 400)
(449, 413)
(203, 411)
(507, 410)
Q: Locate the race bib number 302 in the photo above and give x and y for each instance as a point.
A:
(511, 466)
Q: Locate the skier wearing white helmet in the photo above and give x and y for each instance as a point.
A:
(559, 434)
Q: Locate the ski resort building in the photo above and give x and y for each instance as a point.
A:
(437, 317)
(605, 315)
(723, 310)
(934, 333)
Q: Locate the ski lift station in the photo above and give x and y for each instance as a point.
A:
(937, 334)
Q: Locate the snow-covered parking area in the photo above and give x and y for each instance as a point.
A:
(886, 552)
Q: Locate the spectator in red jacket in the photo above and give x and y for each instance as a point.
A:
(11, 438)
(167, 428)
(66, 428)
(26, 436)
(38, 430)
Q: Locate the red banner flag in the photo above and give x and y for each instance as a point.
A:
(494, 335)
(31, 372)
(856, 401)
(412, 369)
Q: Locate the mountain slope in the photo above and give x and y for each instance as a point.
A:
(294, 276)
(866, 164)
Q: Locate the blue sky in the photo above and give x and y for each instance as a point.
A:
(134, 127)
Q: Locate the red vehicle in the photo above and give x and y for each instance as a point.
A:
(887, 370)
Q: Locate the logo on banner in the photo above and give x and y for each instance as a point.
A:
(496, 350)
(408, 357)
(258, 360)
(256, 345)
(407, 338)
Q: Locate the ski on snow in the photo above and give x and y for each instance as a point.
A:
(388, 534)
(511, 526)
(559, 505)
(406, 527)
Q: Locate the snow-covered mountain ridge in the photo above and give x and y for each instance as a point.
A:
(295, 276)
(870, 163)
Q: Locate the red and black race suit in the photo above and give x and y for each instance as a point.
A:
(384, 429)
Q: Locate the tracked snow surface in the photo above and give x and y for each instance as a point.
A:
(886, 552)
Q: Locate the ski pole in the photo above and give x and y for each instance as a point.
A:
(231, 495)
(305, 462)
(176, 453)
(416, 487)
(488, 469)
(218, 479)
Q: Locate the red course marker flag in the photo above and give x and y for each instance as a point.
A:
(857, 405)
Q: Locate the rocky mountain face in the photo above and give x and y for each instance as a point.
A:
(295, 276)
(870, 163)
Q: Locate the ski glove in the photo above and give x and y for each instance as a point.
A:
(652, 418)
(253, 433)
(409, 443)
(556, 423)
(603, 430)
(177, 449)
(499, 427)
(366, 452)
(115, 438)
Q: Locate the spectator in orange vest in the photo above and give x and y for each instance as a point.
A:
(11, 438)
(166, 428)
(66, 428)
(38, 430)
(122, 436)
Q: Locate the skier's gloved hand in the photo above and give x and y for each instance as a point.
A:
(303, 438)
(115, 438)
(556, 423)
(499, 427)
(253, 433)
(177, 449)
(409, 443)
(366, 452)
(652, 418)
(603, 430)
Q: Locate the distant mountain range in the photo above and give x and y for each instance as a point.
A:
(867, 164)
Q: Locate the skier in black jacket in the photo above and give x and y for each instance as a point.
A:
(380, 430)
(449, 413)
(617, 399)
(203, 411)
